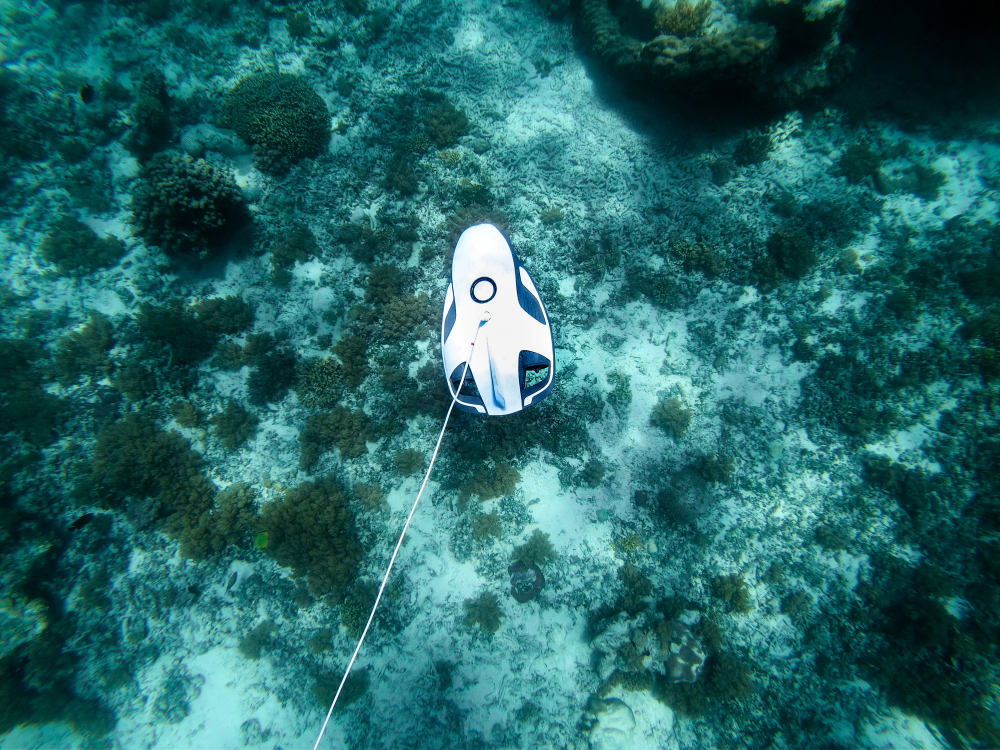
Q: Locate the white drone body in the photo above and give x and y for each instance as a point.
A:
(512, 364)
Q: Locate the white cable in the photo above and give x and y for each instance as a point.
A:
(399, 543)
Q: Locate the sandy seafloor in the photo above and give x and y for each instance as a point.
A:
(553, 141)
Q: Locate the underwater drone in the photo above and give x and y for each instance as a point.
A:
(487, 278)
(493, 301)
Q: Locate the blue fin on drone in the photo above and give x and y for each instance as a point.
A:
(514, 366)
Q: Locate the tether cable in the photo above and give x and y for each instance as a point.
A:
(399, 543)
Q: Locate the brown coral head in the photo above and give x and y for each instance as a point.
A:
(526, 580)
(686, 656)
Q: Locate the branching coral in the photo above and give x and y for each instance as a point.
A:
(445, 124)
(281, 115)
(176, 329)
(858, 163)
(753, 148)
(384, 283)
(409, 461)
(791, 249)
(136, 458)
(354, 688)
(75, 249)
(683, 19)
(402, 316)
(486, 525)
(711, 468)
(255, 641)
(234, 425)
(620, 397)
(537, 550)
(27, 408)
(84, 352)
(224, 314)
(310, 530)
(185, 413)
(400, 175)
(298, 247)
(484, 611)
(345, 429)
(486, 484)
(187, 207)
(271, 377)
(319, 382)
(353, 353)
(671, 417)
(696, 256)
(135, 381)
(732, 591)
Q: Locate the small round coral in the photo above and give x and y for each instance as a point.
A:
(281, 115)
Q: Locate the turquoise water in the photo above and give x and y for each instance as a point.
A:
(759, 507)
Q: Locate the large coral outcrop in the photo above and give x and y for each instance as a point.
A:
(772, 51)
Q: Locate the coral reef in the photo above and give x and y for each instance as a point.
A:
(84, 352)
(319, 382)
(310, 530)
(280, 115)
(682, 19)
(187, 207)
(273, 374)
(484, 611)
(341, 428)
(75, 249)
(538, 550)
(668, 48)
(353, 353)
(234, 425)
(445, 124)
(409, 461)
(671, 417)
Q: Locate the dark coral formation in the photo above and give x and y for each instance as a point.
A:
(28, 409)
(85, 352)
(341, 428)
(75, 249)
(671, 49)
(484, 611)
(234, 425)
(310, 530)
(281, 115)
(186, 206)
